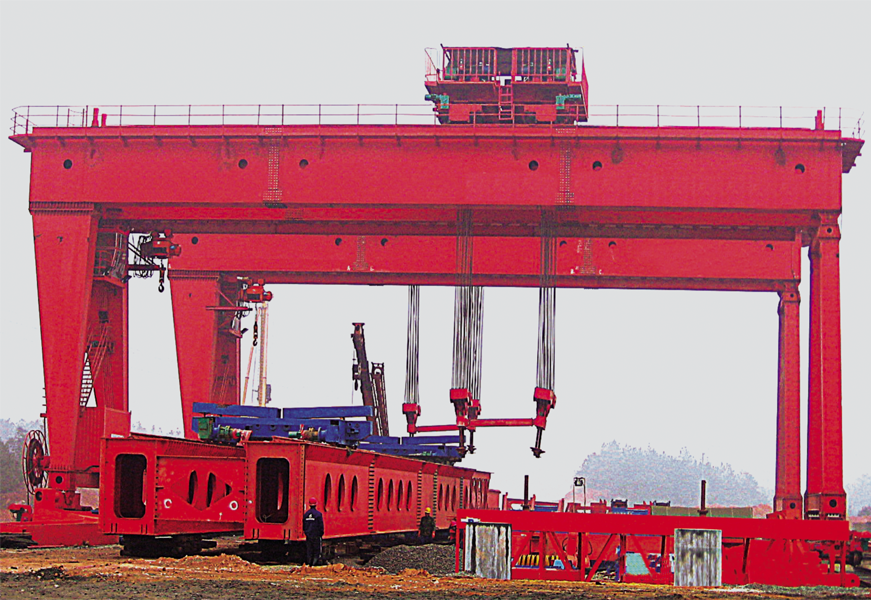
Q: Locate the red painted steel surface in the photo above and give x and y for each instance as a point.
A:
(787, 492)
(57, 518)
(359, 492)
(710, 169)
(825, 497)
(63, 528)
(608, 262)
(161, 486)
(768, 551)
(662, 207)
(154, 486)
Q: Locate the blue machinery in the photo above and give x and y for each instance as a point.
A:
(328, 424)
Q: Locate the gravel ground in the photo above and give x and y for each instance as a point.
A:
(435, 559)
(221, 574)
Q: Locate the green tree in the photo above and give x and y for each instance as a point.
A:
(11, 478)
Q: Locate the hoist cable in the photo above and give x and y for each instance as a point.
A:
(545, 367)
(412, 351)
(461, 372)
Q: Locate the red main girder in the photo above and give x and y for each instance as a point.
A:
(631, 207)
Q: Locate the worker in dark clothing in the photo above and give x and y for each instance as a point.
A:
(426, 529)
(313, 528)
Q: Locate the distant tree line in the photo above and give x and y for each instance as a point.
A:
(647, 475)
(10, 428)
(859, 497)
(11, 477)
(138, 427)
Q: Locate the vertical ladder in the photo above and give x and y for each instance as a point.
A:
(435, 494)
(506, 103)
(419, 493)
(371, 516)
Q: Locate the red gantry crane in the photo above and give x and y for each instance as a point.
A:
(511, 183)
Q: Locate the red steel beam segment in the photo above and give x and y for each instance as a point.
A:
(825, 497)
(577, 221)
(754, 169)
(787, 492)
(156, 494)
(661, 525)
(581, 262)
(64, 241)
(208, 354)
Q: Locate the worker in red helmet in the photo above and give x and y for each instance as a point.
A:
(313, 528)
(427, 527)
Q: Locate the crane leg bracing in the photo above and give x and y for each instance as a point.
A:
(633, 208)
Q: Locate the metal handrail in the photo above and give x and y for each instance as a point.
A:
(26, 118)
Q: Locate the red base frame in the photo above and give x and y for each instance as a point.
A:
(764, 551)
(57, 519)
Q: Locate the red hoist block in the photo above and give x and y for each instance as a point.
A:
(255, 292)
(545, 400)
(461, 399)
(160, 247)
(412, 413)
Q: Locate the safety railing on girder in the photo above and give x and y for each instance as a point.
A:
(26, 118)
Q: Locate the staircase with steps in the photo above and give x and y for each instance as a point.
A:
(95, 352)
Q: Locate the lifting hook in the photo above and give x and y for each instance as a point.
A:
(545, 400)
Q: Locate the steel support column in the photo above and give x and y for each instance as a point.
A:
(787, 487)
(825, 497)
(64, 237)
(206, 338)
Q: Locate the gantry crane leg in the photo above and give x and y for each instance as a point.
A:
(825, 497)
(787, 493)
(207, 339)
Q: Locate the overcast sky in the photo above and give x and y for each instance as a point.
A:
(669, 370)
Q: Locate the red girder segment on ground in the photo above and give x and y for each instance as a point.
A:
(161, 486)
(674, 208)
(754, 550)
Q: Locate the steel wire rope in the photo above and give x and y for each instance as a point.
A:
(545, 369)
(412, 351)
(462, 350)
(476, 341)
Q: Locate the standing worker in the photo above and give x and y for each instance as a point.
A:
(426, 529)
(313, 528)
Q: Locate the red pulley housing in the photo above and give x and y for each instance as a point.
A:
(255, 292)
(160, 247)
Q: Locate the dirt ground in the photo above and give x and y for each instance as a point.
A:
(223, 573)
